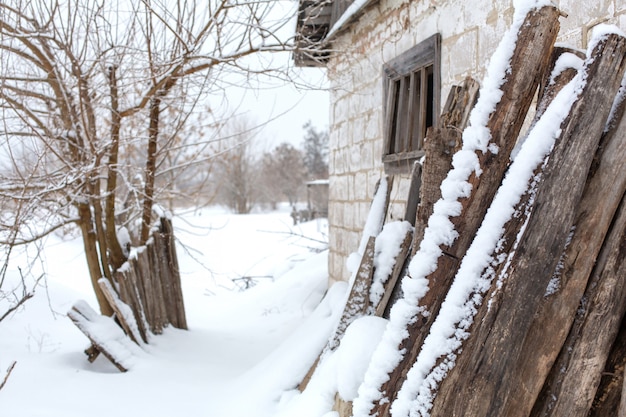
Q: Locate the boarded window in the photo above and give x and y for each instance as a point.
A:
(412, 93)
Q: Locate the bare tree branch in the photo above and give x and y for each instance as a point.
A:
(8, 374)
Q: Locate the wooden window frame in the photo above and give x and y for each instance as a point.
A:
(403, 81)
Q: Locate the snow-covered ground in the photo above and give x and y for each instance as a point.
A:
(244, 351)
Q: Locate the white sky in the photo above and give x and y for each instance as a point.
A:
(288, 107)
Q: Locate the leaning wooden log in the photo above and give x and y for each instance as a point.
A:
(500, 364)
(577, 372)
(439, 146)
(519, 213)
(535, 40)
(605, 187)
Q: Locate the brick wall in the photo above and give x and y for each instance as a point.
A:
(470, 34)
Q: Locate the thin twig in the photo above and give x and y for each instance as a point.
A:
(292, 233)
(16, 306)
(6, 377)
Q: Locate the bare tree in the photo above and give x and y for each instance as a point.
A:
(283, 173)
(238, 166)
(85, 90)
(315, 146)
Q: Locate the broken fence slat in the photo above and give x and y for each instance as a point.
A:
(123, 312)
(104, 334)
(126, 280)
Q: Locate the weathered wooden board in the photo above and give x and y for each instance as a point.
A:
(104, 334)
(123, 312)
(126, 283)
(396, 273)
(178, 318)
(577, 372)
(358, 298)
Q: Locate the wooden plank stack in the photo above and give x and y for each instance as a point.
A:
(531, 351)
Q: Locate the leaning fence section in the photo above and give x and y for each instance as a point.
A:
(146, 296)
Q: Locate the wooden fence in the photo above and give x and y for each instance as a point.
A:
(146, 296)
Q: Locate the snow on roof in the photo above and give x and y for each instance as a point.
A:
(350, 12)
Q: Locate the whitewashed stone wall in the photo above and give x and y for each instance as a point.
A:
(470, 33)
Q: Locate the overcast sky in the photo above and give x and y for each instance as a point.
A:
(286, 106)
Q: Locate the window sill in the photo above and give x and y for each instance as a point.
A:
(401, 163)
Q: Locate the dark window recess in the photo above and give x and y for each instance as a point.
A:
(412, 91)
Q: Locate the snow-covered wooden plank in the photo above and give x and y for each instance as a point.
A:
(358, 298)
(393, 245)
(373, 226)
(123, 312)
(104, 334)
(377, 213)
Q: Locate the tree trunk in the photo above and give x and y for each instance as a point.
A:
(85, 223)
(116, 255)
(148, 198)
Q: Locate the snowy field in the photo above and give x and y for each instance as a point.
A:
(244, 351)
